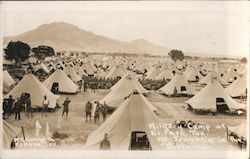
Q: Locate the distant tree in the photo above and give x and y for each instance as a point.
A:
(176, 55)
(243, 60)
(43, 51)
(17, 51)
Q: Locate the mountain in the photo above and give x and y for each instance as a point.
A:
(64, 36)
(143, 44)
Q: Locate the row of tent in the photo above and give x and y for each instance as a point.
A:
(65, 84)
(236, 89)
(194, 74)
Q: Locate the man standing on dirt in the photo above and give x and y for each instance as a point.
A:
(45, 105)
(5, 108)
(18, 109)
(81, 85)
(85, 86)
(88, 110)
(104, 110)
(66, 107)
(10, 105)
(97, 112)
(29, 108)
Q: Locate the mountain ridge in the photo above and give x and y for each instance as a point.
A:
(69, 37)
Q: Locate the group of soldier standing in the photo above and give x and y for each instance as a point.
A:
(23, 103)
(96, 110)
(11, 105)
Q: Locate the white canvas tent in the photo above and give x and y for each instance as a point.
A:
(72, 73)
(51, 66)
(180, 83)
(65, 84)
(165, 74)
(152, 73)
(116, 72)
(230, 75)
(122, 89)
(206, 98)
(30, 84)
(79, 71)
(240, 130)
(44, 68)
(134, 114)
(207, 79)
(8, 81)
(9, 133)
(238, 87)
(59, 64)
(193, 75)
(88, 68)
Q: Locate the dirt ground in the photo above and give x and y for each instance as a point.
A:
(169, 109)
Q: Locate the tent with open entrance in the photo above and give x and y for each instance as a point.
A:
(238, 87)
(238, 134)
(122, 89)
(214, 98)
(231, 75)
(31, 85)
(69, 71)
(9, 133)
(60, 65)
(240, 130)
(207, 79)
(8, 81)
(63, 82)
(179, 83)
(133, 115)
(193, 75)
(51, 66)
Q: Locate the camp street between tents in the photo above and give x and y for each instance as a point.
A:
(170, 110)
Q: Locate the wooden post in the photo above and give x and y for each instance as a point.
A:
(23, 132)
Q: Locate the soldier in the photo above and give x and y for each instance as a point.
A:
(29, 108)
(66, 107)
(45, 105)
(85, 86)
(97, 111)
(105, 144)
(18, 109)
(5, 108)
(88, 110)
(104, 111)
(80, 85)
(10, 105)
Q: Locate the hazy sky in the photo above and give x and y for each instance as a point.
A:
(218, 28)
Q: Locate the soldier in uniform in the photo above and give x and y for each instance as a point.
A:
(10, 105)
(29, 108)
(104, 110)
(45, 105)
(88, 110)
(97, 112)
(66, 107)
(105, 144)
(18, 109)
